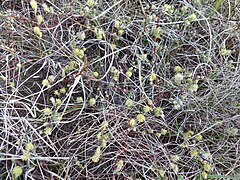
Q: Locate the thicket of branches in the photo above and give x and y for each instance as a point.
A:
(119, 89)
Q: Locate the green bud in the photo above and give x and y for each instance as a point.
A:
(147, 109)
(39, 19)
(129, 74)
(132, 122)
(164, 132)
(95, 74)
(29, 146)
(207, 167)
(141, 118)
(37, 31)
(47, 111)
(178, 69)
(129, 103)
(33, 4)
(92, 102)
(17, 171)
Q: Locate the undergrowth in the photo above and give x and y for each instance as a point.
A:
(119, 89)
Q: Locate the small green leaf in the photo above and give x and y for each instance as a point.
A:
(132, 122)
(90, 3)
(119, 166)
(39, 19)
(79, 52)
(147, 109)
(92, 102)
(17, 171)
(95, 74)
(178, 69)
(174, 167)
(178, 77)
(104, 125)
(25, 156)
(45, 82)
(48, 130)
(141, 118)
(204, 175)
(129, 74)
(47, 111)
(97, 154)
(33, 4)
(37, 31)
(29, 146)
(45, 7)
(63, 90)
(158, 111)
(207, 167)
(129, 103)
(120, 32)
(164, 132)
(217, 4)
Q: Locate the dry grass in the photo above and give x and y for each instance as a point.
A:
(66, 86)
